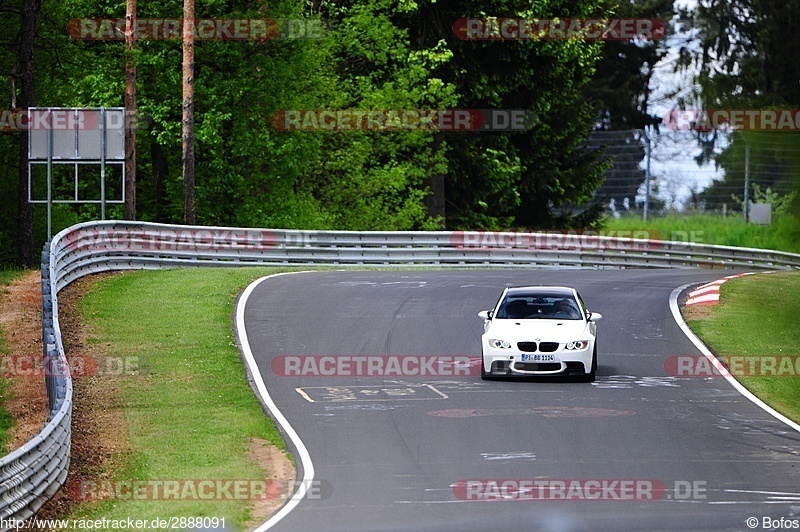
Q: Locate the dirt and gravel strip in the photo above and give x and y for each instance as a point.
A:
(21, 322)
(98, 429)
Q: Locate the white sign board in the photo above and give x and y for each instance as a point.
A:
(761, 213)
(76, 134)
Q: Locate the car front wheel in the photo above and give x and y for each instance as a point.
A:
(484, 374)
(591, 375)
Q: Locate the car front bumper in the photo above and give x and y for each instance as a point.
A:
(508, 362)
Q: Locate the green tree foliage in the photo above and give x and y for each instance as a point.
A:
(539, 178)
(375, 54)
(747, 59)
(621, 89)
(621, 93)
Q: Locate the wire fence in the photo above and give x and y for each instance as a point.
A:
(691, 172)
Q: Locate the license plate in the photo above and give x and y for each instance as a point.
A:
(538, 357)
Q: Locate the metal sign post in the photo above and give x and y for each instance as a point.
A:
(49, 180)
(75, 136)
(103, 164)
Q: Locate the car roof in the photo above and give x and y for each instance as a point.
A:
(532, 290)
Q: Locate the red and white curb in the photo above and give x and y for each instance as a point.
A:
(709, 292)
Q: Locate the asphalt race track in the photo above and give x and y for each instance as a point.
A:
(396, 452)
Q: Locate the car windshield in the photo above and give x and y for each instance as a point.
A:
(531, 307)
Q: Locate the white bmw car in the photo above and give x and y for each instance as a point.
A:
(537, 331)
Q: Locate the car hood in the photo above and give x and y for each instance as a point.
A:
(561, 331)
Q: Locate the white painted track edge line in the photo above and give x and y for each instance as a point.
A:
(676, 314)
(302, 451)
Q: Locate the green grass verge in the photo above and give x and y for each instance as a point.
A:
(781, 235)
(758, 317)
(6, 422)
(190, 413)
(7, 276)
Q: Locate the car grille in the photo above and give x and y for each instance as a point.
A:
(528, 347)
(548, 347)
(537, 366)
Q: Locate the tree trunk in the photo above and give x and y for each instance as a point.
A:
(435, 201)
(27, 98)
(159, 180)
(130, 111)
(187, 136)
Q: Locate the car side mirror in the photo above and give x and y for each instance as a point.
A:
(485, 314)
(595, 316)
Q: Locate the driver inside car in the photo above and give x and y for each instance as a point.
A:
(563, 308)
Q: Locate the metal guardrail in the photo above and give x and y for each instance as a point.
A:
(98, 246)
(33, 473)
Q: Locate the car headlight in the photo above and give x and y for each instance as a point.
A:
(577, 346)
(499, 344)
